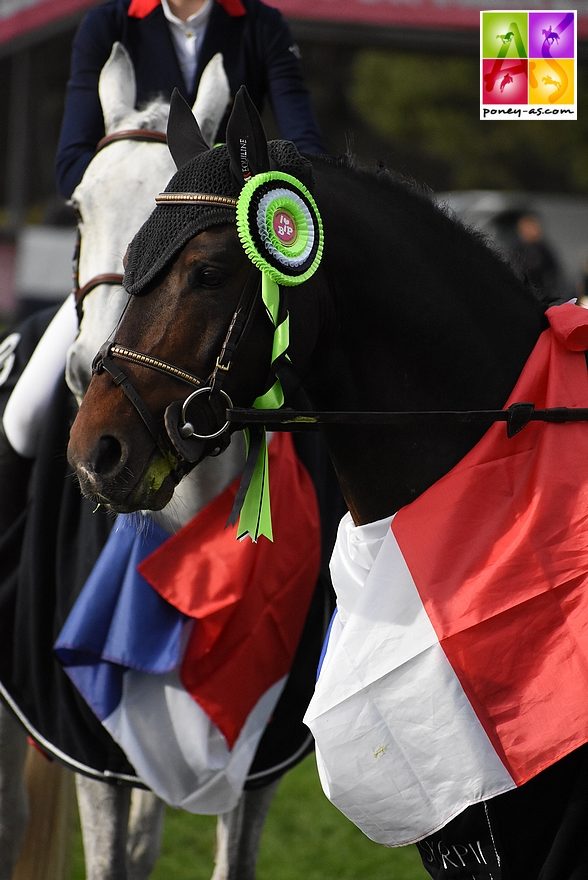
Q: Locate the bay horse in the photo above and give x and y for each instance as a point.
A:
(118, 820)
(145, 158)
(144, 163)
(413, 325)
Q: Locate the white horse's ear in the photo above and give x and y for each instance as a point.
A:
(212, 99)
(117, 87)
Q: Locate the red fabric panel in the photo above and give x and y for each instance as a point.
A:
(498, 549)
(143, 8)
(249, 600)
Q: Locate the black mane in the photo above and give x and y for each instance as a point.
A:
(425, 316)
(383, 226)
(398, 184)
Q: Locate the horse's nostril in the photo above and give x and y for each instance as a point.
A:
(108, 455)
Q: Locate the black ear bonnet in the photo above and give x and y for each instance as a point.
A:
(170, 227)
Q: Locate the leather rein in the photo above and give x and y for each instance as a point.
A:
(517, 416)
(216, 408)
(182, 433)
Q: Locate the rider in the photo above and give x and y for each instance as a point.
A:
(170, 42)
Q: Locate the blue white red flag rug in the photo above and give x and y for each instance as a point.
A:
(182, 645)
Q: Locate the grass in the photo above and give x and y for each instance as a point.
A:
(304, 837)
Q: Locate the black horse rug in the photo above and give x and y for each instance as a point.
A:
(50, 540)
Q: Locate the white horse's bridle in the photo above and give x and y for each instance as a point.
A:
(111, 278)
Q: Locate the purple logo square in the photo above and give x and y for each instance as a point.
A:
(552, 34)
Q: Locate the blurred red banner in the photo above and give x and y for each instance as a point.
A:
(19, 17)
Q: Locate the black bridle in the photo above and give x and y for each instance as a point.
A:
(211, 407)
(222, 418)
(197, 425)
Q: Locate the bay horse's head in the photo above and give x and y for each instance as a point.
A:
(197, 333)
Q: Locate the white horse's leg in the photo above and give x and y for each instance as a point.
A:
(145, 830)
(104, 816)
(13, 793)
(238, 835)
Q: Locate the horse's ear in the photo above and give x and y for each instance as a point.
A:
(212, 99)
(246, 139)
(184, 137)
(117, 87)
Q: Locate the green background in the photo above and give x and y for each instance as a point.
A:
(305, 838)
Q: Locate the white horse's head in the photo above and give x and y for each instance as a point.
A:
(116, 195)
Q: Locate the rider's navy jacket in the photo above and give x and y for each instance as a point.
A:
(257, 48)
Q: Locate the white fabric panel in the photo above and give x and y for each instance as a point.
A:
(399, 748)
(176, 749)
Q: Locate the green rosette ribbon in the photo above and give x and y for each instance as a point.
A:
(281, 231)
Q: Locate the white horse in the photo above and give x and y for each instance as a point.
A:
(122, 827)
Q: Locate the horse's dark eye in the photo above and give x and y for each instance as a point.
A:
(206, 276)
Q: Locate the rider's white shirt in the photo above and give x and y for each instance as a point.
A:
(187, 37)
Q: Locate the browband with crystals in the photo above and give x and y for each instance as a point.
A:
(182, 198)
